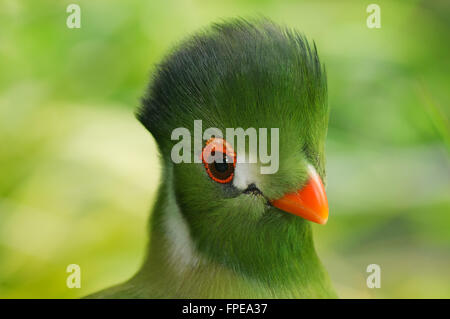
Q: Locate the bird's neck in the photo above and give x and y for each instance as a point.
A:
(176, 268)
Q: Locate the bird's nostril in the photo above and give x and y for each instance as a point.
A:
(252, 189)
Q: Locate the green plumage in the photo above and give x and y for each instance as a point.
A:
(210, 240)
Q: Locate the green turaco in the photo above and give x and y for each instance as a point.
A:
(226, 229)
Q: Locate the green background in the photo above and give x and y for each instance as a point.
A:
(78, 173)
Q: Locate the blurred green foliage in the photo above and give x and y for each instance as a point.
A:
(78, 173)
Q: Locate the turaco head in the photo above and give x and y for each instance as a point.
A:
(245, 206)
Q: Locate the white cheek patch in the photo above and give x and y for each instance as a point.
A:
(182, 252)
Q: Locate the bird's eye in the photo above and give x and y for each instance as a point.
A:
(219, 159)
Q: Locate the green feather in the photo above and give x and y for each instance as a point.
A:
(208, 240)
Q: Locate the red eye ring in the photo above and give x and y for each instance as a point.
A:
(217, 144)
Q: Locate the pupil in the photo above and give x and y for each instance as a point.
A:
(221, 167)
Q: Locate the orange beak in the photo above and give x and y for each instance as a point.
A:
(310, 202)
